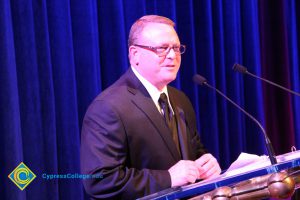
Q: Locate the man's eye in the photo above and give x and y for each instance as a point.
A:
(161, 49)
(176, 48)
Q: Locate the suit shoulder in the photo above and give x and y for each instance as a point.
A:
(112, 92)
(182, 99)
(178, 93)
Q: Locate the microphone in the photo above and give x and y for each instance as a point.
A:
(198, 79)
(239, 68)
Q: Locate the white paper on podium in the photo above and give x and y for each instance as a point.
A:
(244, 163)
(247, 162)
(288, 156)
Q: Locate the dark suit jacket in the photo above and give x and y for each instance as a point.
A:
(126, 140)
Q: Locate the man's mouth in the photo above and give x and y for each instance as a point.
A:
(170, 65)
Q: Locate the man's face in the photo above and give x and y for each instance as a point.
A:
(158, 70)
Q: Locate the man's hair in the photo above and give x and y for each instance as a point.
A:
(141, 23)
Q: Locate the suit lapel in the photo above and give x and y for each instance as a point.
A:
(182, 133)
(181, 126)
(147, 106)
(143, 101)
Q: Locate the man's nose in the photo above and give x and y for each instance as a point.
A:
(171, 53)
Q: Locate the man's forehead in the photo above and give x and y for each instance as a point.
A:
(157, 31)
(152, 26)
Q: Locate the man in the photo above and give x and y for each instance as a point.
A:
(140, 134)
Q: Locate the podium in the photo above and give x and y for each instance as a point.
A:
(278, 181)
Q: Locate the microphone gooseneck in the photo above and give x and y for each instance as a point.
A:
(198, 79)
(239, 68)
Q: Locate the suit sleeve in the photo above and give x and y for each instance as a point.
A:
(104, 152)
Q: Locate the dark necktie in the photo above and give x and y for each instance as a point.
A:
(169, 117)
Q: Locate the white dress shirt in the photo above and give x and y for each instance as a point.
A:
(153, 91)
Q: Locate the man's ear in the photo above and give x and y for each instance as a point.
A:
(134, 55)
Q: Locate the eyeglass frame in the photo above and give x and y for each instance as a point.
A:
(154, 49)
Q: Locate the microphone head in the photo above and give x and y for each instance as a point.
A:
(199, 79)
(239, 68)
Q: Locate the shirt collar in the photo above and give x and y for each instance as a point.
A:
(152, 90)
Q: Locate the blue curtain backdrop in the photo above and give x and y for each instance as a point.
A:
(57, 55)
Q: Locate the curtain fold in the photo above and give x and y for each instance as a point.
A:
(253, 94)
(57, 56)
(10, 122)
(292, 25)
(275, 67)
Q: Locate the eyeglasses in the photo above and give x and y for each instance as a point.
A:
(164, 50)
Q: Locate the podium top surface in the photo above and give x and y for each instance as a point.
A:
(285, 161)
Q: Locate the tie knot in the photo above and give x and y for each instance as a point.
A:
(164, 105)
(163, 98)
